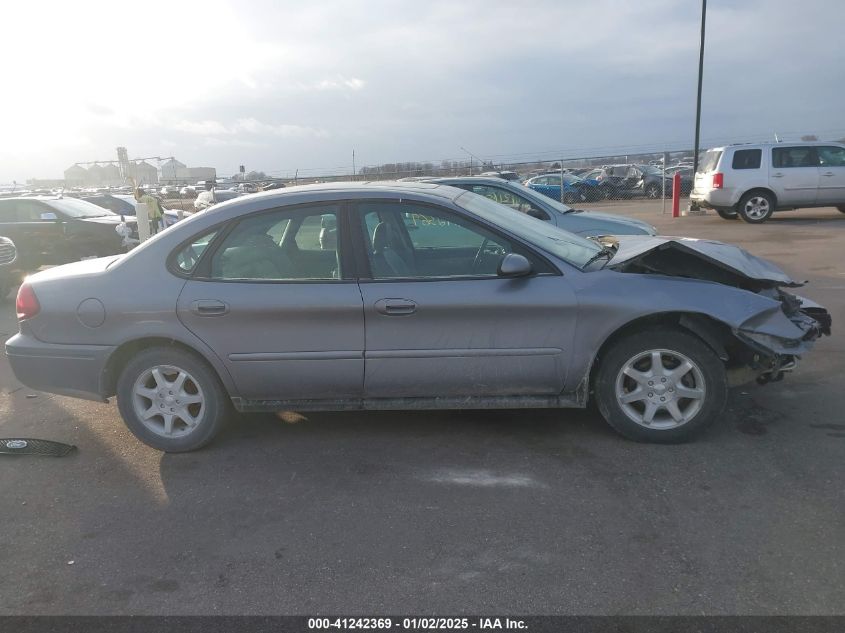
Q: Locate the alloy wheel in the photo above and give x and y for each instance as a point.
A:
(660, 389)
(168, 401)
(756, 208)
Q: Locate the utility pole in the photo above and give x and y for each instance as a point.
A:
(700, 80)
(693, 208)
(353, 164)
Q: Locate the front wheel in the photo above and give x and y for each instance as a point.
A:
(756, 207)
(171, 400)
(653, 192)
(727, 215)
(660, 386)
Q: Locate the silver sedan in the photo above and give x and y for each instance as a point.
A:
(406, 296)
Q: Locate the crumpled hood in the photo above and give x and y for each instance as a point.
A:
(700, 259)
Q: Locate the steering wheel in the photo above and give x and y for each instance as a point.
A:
(479, 255)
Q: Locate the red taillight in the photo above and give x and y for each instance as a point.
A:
(27, 303)
(718, 180)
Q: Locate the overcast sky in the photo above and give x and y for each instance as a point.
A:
(284, 85)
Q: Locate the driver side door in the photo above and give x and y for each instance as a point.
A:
(440, 322)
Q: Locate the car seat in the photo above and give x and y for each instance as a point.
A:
(388, 261)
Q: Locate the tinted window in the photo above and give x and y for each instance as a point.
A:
(831, 156)
(747, 159)
(786, 157)
(7, 211)
(298, 244)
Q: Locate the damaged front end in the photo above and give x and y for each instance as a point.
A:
(779, 337)
(764, 346)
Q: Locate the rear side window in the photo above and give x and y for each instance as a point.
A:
(801, 156)
(187, 258)
(710, 160)
(832, 156)
(747, 159)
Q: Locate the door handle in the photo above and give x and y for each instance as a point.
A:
(395, 307)
(777, 175)
(209, 307)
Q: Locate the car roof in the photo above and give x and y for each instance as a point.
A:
(776, 144)
(361, 189)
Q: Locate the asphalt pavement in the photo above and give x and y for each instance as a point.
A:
(511, 512)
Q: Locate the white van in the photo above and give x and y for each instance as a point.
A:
(753, 181)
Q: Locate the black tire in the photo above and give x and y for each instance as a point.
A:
(569, 198)
(211, 415)
(727, 215)
(748, 202)
(710, 369)
(841, 208)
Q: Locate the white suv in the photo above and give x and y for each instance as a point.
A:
(754, 181)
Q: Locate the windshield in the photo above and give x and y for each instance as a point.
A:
(78, 208)
(567, 246)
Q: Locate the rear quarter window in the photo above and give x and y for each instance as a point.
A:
(747, 159)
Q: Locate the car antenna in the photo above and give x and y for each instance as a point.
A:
(777, 138)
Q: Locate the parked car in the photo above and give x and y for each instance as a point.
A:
(60, 230)
(752, 181)
(125, 205)
(686, 179)
(169, 191)
(11, 272)
(211, 197)
(427, 297)
(575, 189)
(504, 175)
(526, 200)
(188, 192)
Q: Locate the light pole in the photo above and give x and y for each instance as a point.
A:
(700, 78)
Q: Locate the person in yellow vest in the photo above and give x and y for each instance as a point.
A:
(155, 210)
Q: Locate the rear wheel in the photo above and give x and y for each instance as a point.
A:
(652, 191)
(756, 207)
(727, 215)
(660, 386)
(171, 400)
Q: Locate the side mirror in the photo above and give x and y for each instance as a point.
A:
(514, 265)
(49, 216)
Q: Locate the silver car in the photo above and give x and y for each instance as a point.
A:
(754, 181)
(526, 200)
(405, 296)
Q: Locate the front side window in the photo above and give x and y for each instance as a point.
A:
(747, 159)
(416, 241)
(292, 244)
(831, 156)
(801, 156)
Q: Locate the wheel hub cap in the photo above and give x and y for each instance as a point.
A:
(168, 401)
(660, 389)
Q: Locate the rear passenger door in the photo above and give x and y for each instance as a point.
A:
(832, 175)
(276, 302)
(794, 175)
